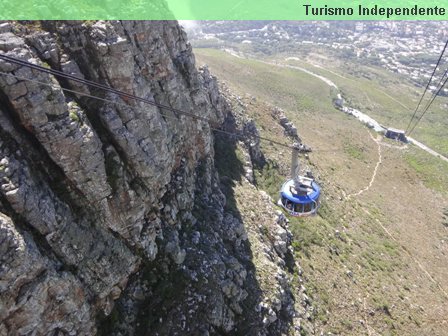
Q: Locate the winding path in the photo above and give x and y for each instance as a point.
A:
(362, 116)
(372, 180)
(366, 119)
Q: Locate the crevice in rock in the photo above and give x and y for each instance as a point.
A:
(39, 160)
(51, 175)
(86, 60)
(39, 239)
(187, 242)
(25, 287)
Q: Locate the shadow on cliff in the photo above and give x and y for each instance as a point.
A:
(229, 164)
(231, 172)
(206, 293)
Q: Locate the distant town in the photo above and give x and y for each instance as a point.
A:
(408, 48)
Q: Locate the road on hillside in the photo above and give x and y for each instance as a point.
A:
(364, 118)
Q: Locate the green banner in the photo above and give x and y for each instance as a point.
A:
(223, 10)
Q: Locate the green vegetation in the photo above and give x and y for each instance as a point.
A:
(417, 60)
(46, 65)
(357, 253)
(73, 115)
(305, 236)
(73, 108)
(269, 178)
(355, 152)
(387, 97)
(283, 87)
(431, 170)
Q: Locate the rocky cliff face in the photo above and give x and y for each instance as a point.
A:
(112, 218)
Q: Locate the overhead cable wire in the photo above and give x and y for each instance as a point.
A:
(427, 86)
(435, 93)
(125, 94)
(131, 96)
(58, 73)
(121, 94)
(428, 105)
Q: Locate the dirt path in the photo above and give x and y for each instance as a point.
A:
(372, 180)
(350, 79)
(402, 147)
(332, 84)
(322, 78)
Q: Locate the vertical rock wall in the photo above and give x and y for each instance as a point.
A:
(112, 219)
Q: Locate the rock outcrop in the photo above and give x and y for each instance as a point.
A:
(112, 219)
(288, 126)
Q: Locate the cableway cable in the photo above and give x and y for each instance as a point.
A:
(435, 93)
(120, 94)
(427, 86)
(428, 105)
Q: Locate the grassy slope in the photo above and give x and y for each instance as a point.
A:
(370, 269)
(389, 98)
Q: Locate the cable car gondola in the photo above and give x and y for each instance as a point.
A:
(299, 196)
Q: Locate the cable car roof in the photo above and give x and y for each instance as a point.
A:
(311, 196)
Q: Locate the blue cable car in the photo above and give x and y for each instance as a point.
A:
(299, 196)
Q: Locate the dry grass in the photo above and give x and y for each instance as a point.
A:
(384, 272)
